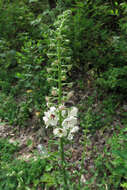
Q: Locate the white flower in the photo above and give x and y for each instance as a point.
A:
(51, 117)
(69, 122)
(73, 112)
(60, 132)
(74, 129)
(70, 136)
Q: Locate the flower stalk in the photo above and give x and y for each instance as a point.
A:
(62, 118)
(63, 164)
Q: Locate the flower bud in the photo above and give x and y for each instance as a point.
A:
(69, 67)
(68, 59)
(52, 45)
(55, 63)
(48, 70)
(62, 107)
(63, 71)
(63, 78)
(54, 92)
(48, 104)
(70, 85)
(70, 94)
(37, 113)
(67, 40)
(29, 91)
(64, 99)
(59, 38)
(49, 79)
(47, 99)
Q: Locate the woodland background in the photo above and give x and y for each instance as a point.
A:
(98, 40)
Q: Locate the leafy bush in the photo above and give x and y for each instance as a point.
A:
(8, 108)
(17, 174)
(114, 78)
(110, 164)
(22, 175)
(98, 41)
(22, 65)
(7, 150)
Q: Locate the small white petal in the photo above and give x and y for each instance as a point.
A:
(45, 119)
(48, 104)
(73, 112)
(46, 113)
(52, 109)
(74, 129)
(54, 122)
(63, 113)
(70, 136)
(69, 122)
(55, 131)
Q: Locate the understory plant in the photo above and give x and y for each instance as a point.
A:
(20, 174)
(63, 119)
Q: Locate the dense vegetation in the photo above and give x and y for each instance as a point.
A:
(93, 44)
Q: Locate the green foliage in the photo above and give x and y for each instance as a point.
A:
(7, 150)
(119, 151)
(15, 18)
(22, 64)
(17, 174)
(21, 175)
(98, 41)
(94, 116)
(114, 78)
(8, 108)
(110, 164)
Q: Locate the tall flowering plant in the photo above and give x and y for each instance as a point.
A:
(62, 119)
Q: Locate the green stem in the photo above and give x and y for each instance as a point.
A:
(60, 114)
(59, 82)
(63, 163)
